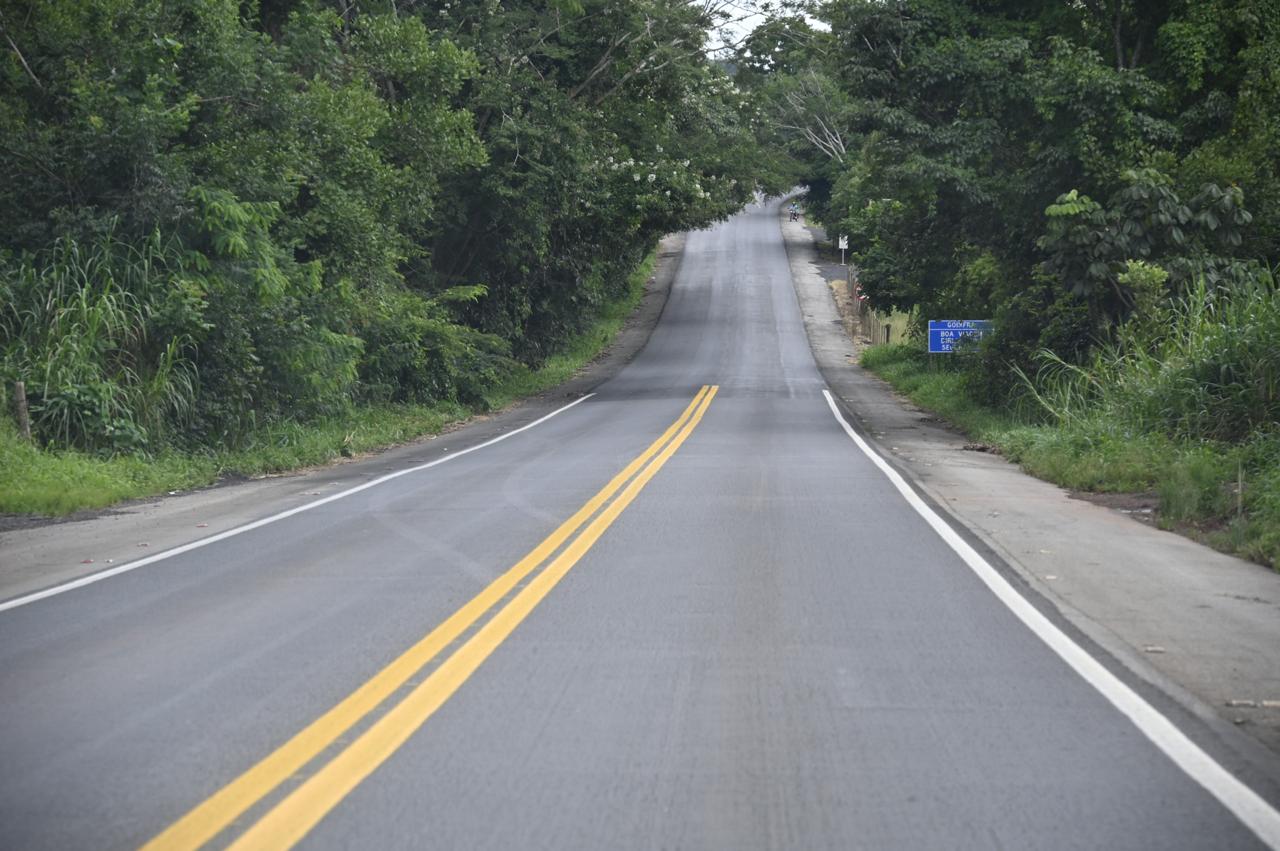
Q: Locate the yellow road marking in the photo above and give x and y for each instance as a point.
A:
(291, 819)
(211, 817)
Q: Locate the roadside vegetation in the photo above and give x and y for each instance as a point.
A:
(1183, 405)
(1101, 179)
(57, 482)
(239, 236)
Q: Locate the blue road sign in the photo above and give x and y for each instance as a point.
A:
(951, 335)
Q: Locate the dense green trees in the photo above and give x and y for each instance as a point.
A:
(1061, 167)
(217, 212)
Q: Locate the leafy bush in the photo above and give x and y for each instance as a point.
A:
(414, 352)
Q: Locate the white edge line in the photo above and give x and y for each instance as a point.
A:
(222, 536)
(1243, 802)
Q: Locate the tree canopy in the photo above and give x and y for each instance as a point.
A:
(219, 212)
(1060, 167)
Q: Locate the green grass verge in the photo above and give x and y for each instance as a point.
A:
(1197, 484)
(36, 481)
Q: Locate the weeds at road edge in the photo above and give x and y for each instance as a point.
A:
(1226, 494)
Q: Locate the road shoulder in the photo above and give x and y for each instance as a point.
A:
(1198, 626)
(42, 556)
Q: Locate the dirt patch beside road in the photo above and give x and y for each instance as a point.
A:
(1143, 507)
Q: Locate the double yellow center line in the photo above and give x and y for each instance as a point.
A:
(300, 810)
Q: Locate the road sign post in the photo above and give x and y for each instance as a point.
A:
(953, 335)
(843, 245)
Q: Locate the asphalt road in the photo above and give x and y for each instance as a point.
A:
(748, 639)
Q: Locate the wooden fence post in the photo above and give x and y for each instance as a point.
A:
(20, 401)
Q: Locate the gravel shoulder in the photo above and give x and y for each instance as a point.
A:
(38, 553)
(1190, 623)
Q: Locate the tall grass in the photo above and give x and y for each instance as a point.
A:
(1204, 367)
(76, 326)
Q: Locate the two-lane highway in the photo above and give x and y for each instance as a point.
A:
(688, 611)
